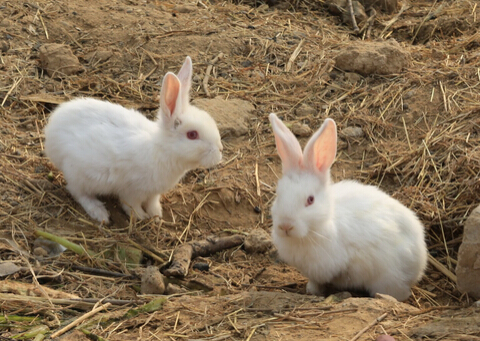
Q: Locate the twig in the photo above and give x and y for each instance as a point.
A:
(185, 253)
(352, 16)
(146, 251)
(440, 267)
(43, 24)
(100, 272)
(15, 83)
(370, 325)
(207, 73)
(259, 193)
(294, 55)
(394, 19)
(79, 320)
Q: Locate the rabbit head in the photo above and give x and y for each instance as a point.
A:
(192, 131)
(303, 205)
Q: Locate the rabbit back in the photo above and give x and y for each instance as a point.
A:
(98, 143)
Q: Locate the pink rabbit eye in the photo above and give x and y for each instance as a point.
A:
(310, 200)
(192, 135)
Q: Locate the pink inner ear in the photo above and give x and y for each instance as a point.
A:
(321, 149)
(171, 95)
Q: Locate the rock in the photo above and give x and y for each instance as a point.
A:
(366, 58)
(258, 241)
(232, 116)
(468, 266)
(50, 248)
(352, 132)
(339, 7)
(6, 23)
(385, 297)
(301, 129)
(152, 281)
(389, 6)
(336, 7)
(174, 289)
(227, 196)
(359, 12)
(385, 337)
(185, 8)
(99, 56)
(58, 60)
(4, 46)
(305, 110)
(352, 77)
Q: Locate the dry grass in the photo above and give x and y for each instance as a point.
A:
(421, 142)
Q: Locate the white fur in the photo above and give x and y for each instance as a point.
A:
(353, 236)
(104, 148)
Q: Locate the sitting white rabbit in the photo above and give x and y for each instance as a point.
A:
(104, 148)
(350, 235)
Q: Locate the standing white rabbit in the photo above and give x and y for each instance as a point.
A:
(350, 235)
(104, 148)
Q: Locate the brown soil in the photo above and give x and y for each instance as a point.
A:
(420, 144)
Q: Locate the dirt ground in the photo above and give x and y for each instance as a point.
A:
(419, 142)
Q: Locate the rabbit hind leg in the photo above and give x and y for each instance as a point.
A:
(94, 207)
(153, 206)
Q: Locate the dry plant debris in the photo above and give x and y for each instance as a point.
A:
(420, 143)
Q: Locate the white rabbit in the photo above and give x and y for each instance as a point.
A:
(104, 148)
(346, 234)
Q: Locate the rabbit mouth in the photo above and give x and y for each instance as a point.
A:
(213, 158)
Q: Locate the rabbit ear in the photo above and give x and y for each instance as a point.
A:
(320, 151)
(170, 103)
(185, 77)
(287, 145)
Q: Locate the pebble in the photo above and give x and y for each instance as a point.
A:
(152, 281)
(257, 241)
(301, 129)
(352, 132)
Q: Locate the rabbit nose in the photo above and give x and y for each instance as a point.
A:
(285, 227)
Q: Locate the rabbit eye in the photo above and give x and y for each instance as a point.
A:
(310, 200)
(192, 135)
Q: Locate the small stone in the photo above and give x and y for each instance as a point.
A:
(385, 297)
(257, 241)
(172, 289)
(58, 60)
(232, 116)
(227, 196)
(468, 266)
(336, 7)
(305, 110)
(201, 266)
(99, 56)
(4, 46)
(301, 129)
(352, 77)
(409, 94)
(389, 6)
(359, 12)
(379, 57)
(6, 23)
(51, 248)
(185, 8)
(152, 281)
(352, 132)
